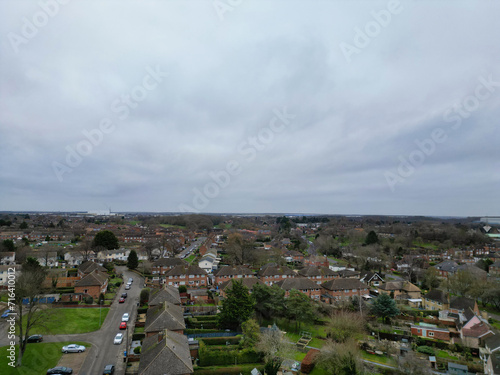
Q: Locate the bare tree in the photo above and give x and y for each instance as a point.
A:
(341, 358)
(411, 364)
(273, 345)
(85, 249)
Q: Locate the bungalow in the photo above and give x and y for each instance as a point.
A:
(343, 289)
(228, 272)
(302, 284)
(318, 274)
(165, 352)
(165, 294)
(430, 331)
(248, 282)
(270, 274)
(191, 276)
(93, 284)
(164, 316)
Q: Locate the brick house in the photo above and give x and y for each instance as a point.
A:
(161, 266)
(430, 331)
(92, 284)
(302, 284)
(474, 332)
(401, 290)
(318, 261)
(165, 294)
(342, 289)
(446, 268)
(318, 274)
(292, 256)
(371, 278)
(270, 274)
(164, 316)
(226, 273)
(191, 276)
(88, 267)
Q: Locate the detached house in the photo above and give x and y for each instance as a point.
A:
(371, 278)
(474, 332)
(191, 276)
(165, 352)
(436, 300)
(446, 268)
(92, 284)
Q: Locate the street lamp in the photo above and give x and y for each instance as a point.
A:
(100, 308)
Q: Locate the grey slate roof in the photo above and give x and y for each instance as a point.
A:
(168, 262)
(298, 283)
(312, 271)
(275, 270)
(168, 293)
(164, 316)
(166, 353)
(437, 295)
(343, 284)
(231, 271)
(89, 266)
(447, 266)
(248, 282)
(94, 278)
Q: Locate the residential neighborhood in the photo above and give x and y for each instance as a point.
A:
(164, 298)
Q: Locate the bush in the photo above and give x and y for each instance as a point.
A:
(182, 289)
(89, 300)
(138, 336)
(221, 357)
(137, 350)
(118, 283)
(426, 350)
(221, 340)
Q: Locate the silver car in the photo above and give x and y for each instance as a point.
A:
(73, 348)
(118, 338)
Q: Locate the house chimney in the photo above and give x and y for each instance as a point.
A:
(161, 335)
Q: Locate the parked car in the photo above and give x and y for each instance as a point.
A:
(121, 300)
(60, 370)
(7, 313)
(124, 295)
(123, 325)
(109, 369)
(73, 348)
(125, 317)
(127, 287)
(118, 338)
(35, 338)
(130, 280)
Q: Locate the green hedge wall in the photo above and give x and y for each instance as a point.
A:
(222, 340)
(209, 357)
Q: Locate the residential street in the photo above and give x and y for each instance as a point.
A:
(103, 351)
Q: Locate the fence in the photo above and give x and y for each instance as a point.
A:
(213, 334)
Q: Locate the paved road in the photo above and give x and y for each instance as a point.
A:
(103, 351)
(312, 248)
(184, 253)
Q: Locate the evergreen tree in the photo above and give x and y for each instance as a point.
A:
(237, 307)
(385, 307)
(107, 239)
(371, 238)
(132, 260)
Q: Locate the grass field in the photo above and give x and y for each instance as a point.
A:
(172, 226)
(443, 354)
(68, 321)
(37, 359)
(378, 358)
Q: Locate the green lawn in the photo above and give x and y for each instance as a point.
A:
(495, 323)
(37, 359)
(68, 321)
(378, 358)
(443, 354)
(190, 258)
(172, 226)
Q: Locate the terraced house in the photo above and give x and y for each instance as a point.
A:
(226, 273)
(270, 274)
(342, 290)
(302, 284)
(318, 274)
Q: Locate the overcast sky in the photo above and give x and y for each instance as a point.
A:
(333, 107)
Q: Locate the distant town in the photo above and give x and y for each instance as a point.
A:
(148, 293)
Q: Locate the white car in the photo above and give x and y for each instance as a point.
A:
(73, 348)
(125, 317)
(118, 338)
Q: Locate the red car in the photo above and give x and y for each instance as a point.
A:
(123, 325)
(121, 300)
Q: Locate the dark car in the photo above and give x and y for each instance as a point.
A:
(124, 295)
(60, 370)
(109, 369)
(35, 338)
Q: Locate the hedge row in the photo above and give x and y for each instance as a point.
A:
(206, 318)
(195, 331)
(237, 370)
(209, 357)
(221, 340)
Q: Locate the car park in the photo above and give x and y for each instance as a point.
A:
(118, 338)
(123, 325)
(109, 369)
(35, 338)
(60, 370)
(125, 317)
(121, 300)
(73, 348)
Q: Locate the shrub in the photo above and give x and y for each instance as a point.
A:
(89, 300)
(137, 350)
(221, 357)
(118, 283)
(182, 289)
(426, 350)
(138, 336)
